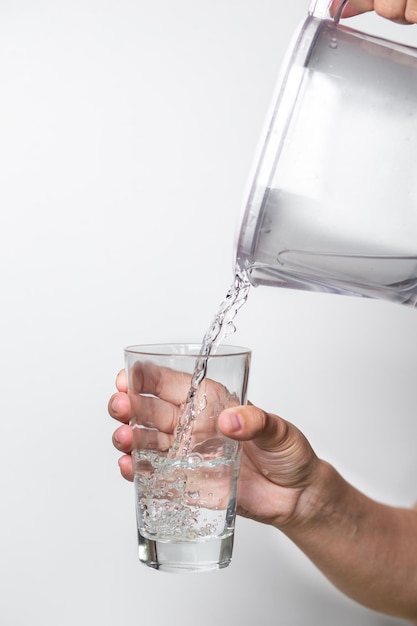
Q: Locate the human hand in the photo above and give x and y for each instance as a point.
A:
(400, 11)
(278, 464)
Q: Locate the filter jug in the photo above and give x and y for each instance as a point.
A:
(333, 202)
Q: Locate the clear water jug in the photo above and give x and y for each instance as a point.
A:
(333, 203)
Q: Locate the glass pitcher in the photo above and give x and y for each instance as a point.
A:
(333, 203)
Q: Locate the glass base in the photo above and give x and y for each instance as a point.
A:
(186, 556)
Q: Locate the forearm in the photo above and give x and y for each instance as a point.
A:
(366, 549)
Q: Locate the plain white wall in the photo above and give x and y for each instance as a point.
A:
(127, 132)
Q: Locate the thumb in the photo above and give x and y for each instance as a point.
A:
(277, 448)
(352, 8)
(244, 423)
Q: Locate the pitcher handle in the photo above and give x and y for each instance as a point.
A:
(320, 9)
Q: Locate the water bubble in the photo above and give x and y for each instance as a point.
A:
(203, 402)
(333, 43)
(180, 484)
(194, 460)
(230, 328)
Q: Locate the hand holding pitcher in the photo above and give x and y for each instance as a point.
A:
(400, 11)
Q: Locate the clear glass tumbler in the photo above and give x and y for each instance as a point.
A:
(185, 470)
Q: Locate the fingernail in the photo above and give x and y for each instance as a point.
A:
(235, 423)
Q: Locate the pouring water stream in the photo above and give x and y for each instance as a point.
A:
(221, 326)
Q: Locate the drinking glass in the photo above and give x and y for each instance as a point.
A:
(185, 469)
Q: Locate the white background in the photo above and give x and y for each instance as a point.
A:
(127, 134)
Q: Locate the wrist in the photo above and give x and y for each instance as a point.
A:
(318, 503)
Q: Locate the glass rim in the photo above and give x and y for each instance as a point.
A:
(184, 349)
